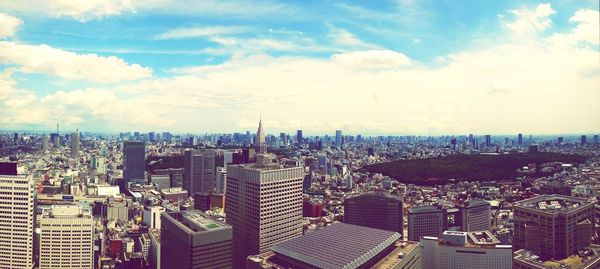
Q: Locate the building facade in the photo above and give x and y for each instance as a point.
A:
(425, 221)
(199, 175)
(476, 216)
(16, 221)
(380, 210)
(134, 161)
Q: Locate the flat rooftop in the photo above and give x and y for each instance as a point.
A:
(589, 260)
(553, 203)
(341, 245)
(402, 248)
(196, 221)
(423, 209)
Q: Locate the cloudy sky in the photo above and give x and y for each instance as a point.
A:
(370, 67)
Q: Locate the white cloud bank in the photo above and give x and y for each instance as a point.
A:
(8, 25)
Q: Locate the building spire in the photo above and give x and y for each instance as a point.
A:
(261, 146)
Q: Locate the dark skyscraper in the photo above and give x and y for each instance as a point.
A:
(134, 163)
(560, 140)
(520, 139)
(488, 140)
(191, 239)
(379, 210)
(596, 141)
(299, 137)
(338, 138)
(583, 140)
(199, 175)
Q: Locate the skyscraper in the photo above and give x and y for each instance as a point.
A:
(16, 221)
(379, 209)
(488, 140)
(44, 143)
(299, 137)
(75, 144)
(425, 221)
(596, 140)
(66, 238)
(221, 180)
(476, 216)
(583, 140)
(261, 146)
(520, 139)
(338, 138)
(134, 161)
(191, 239)
(553, 226)
(264, 206)
(199, 176)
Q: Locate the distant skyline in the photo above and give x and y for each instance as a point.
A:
(365, 67)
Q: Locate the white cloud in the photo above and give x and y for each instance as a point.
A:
(8, 25)
(69, 65)
(343, 38)
(528, 21)
(90, 9)
(201, 31)
(372, 59)
(586, 29)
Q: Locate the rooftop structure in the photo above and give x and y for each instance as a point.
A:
(587, 259)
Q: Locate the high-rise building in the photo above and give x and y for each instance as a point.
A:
(151, 216)
(476, 216)
(44, 143)
(191, 239)
(462, 250)
(199, 173)
(488, 140)
(560, 140)
(379, 209)
(283, 139)
(520, 139)
(66, 238)
(338, 138)
(134, 161)
(16, 221)
(299, 137)
(221, 180)
(583, 140)
(425, 221)
(261, 145)
(75, 144)
(596, 140)
(553, 226)
(264, 206)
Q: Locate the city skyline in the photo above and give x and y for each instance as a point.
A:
(398, 67)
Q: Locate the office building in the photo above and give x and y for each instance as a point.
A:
(221, 180)
(75, 144)
(583, 140)
(66, 238)
(44, 143)
(199, 175)
(520, 139)
(463, 250)
(553, 226)
(425, 221)
(16, 221)
(488, 140)
(341, 246)
(476, 216)
(587, 259)
(260, 144)
(151, 216)
(338, 138)
(379, 209)
(264, 206)
(201, 201)
(299, 137)
(134, 161)
(117, 210)
(191, 239)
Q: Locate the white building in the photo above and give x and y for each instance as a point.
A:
(16, 221)
(152, 216)
(465, 250)
(221, 183)
(66, 238)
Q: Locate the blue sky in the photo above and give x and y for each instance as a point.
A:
(375, 67)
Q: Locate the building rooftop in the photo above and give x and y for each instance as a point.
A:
(341, 245)
(67, 212)
(402, 248)
(553, 203)
(381, 194)
(423, 209)
(588, 259)
(197, 221)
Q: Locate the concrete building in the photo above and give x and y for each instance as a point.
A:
(117, 210)
(66, 238)
(425, 221)
(553, 226)
(152, 216)
(199, 173)
(476, 216)
(221, 181)
(462, 250)
(191, 239)
(134, 161)
(587, 259)
(264, 206)
(379, 209)
(341, 246)
(75, 144)
(160, 181)
(44, 143)
(154, 251)
(16, 221)
(202, 201)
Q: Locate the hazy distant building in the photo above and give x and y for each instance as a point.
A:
(261, 145)
(338, 138)
(553, 226)
(16, 221)
(264, 206)
(425, 221)
(199, 175)
(596, 140)
(583, 140)
(476, 216)
(75, 144)
(191, 239)
(299, 137)
(380, 210)
(520, 139)
(488, 140)
(44, 143)
(463, 250)
(66, 238)
(134, 161)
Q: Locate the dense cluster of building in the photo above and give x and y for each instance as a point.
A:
(159, 200)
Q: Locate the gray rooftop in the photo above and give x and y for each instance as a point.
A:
(553, 203)
(423, 209)
(340, 246)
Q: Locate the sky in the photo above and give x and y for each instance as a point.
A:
(364, 67)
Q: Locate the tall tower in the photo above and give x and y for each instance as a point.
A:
(70, 228)
(16, 221)
(134, 161)
(75, 144)
(264, 206)
(261, 146)
(199, 176)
